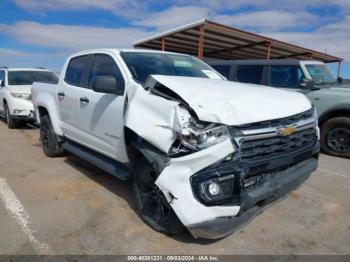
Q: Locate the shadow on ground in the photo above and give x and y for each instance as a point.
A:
(121, 189)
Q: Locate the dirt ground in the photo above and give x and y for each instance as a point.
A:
(66, 206)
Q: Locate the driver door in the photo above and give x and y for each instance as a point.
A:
(101, 114)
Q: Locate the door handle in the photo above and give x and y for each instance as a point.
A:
(61, 94)
(84, 100)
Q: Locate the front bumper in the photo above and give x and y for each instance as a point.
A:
(256, 201)
(21, 109)
(27, 117)
(217, 221)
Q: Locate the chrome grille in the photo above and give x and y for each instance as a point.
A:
(279, 122)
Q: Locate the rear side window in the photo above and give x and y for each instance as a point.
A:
(288, 76)
(77, 72)
(223, 69)
(249, 74)
(105, 65)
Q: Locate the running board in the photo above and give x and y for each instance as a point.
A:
(105, 163)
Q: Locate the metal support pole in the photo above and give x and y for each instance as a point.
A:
(201, 42)
(163, 44)
(339, 64)
(268, 50)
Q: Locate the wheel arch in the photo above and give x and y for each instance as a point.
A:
(339, 111)
(138, 148)
(43, 110)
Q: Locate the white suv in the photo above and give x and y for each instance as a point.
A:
(15, 92)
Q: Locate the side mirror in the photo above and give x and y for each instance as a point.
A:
(340, 80)
(108, 85)
(308, 84)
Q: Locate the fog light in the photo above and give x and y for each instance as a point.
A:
(214, 189)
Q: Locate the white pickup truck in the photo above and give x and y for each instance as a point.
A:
(203, 153)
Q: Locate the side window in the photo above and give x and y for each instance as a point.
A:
(2, 75)
(288, 76)
(223, 69)
(77, 72)
(105, 65)
(249, 74)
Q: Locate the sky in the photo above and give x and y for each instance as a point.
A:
(45, 32)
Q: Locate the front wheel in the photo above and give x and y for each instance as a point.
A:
(335, 137)
(151, 203)
(11, 123)
(49, 141)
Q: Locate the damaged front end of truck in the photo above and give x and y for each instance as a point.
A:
(219, 161)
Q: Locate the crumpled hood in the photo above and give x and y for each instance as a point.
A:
(234, 103)
(24, 89)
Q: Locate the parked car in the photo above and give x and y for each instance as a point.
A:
(204, 153)
(330, 96)
(15, 93)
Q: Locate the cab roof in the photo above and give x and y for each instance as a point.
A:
(263, 62)
(24, 68)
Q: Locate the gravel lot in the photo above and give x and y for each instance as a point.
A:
(66, 206)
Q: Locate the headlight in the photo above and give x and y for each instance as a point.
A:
(196, 137)
(21, 96)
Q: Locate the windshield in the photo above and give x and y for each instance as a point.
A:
(142, 65)
(320, 74)
(28, 77)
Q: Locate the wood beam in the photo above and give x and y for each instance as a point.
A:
(294, 55)
(235, 48)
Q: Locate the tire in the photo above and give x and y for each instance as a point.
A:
(11, 123)
(48, 138)
(335, 137)
(151, 203)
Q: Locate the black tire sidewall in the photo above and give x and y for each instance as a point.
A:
(9, 120)
(174, 226)
(337, 122)
(55, 148)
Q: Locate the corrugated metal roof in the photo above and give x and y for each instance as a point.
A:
(224, 42)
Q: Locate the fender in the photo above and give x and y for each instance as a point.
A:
(152, 118)
(338, 110)
(47, 101)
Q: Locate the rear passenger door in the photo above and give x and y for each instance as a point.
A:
(68, 95)
(102, 114)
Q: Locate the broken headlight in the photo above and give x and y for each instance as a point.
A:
(196, 137)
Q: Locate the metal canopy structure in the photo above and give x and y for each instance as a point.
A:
(212, 40)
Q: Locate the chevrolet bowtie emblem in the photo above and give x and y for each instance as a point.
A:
(286, 131)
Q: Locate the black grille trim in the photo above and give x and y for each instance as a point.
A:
(257, 149)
